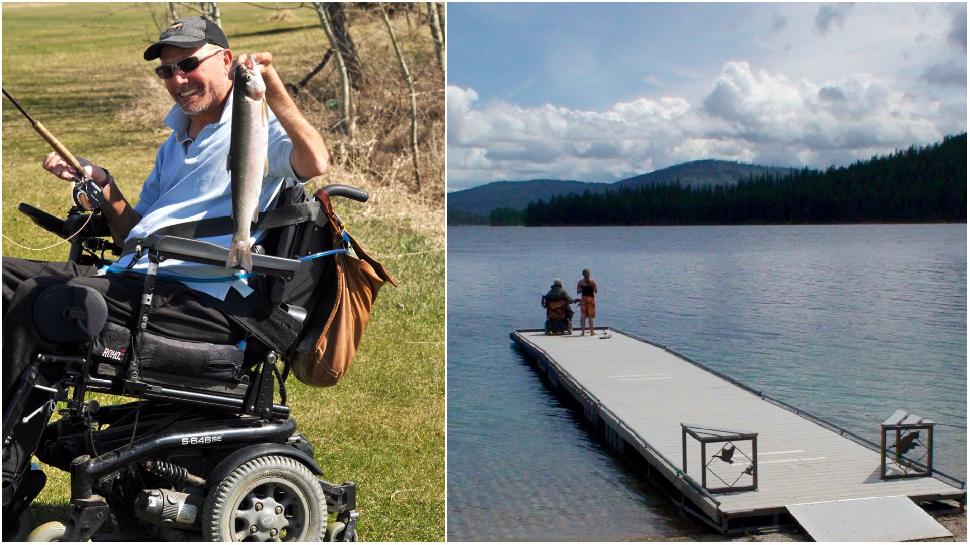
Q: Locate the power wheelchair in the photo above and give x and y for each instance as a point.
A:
(207, 457)
(558, 316)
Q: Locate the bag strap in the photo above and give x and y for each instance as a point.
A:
(339, 232)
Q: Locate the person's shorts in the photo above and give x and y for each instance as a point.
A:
(587, 306)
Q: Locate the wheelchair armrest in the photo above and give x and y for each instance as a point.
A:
(198, 251)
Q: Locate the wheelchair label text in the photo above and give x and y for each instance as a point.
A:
(203, 440)
(117, 355)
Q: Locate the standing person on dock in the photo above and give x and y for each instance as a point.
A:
(586, 288)
(557, 292)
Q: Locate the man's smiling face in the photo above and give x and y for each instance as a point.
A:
(203, 89)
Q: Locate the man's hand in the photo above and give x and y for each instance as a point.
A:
(264, 60)
(56, 165)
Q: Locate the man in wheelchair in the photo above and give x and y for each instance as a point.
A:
(204, 449)
(559, 315)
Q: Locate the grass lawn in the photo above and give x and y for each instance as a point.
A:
(78, 69)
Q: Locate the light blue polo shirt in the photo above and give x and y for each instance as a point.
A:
(190, 182)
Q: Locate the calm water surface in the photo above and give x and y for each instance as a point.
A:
(847, 322)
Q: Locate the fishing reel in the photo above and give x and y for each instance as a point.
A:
(87, 194)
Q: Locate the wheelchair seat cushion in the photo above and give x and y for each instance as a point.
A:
(69, 313)
(194, 359)
(219, 362)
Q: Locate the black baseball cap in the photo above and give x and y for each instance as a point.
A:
(188, 33)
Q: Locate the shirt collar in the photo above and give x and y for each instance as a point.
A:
(178, 121)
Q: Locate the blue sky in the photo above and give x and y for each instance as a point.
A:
(599, 92)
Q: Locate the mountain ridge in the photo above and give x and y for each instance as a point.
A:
(481, 200)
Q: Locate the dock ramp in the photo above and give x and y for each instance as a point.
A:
(733, 456)
(894, 518)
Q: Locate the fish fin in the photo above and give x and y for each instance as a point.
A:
(240, 255)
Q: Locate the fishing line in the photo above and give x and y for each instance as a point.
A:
(15, 243)
(86, 193)
(415, 253)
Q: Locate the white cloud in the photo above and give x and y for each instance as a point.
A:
(747, 115)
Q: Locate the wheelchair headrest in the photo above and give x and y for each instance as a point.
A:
(70, 313)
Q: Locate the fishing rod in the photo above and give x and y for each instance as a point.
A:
(87, 194)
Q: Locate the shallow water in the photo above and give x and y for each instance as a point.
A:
(847, 322)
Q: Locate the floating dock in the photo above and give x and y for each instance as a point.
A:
(731, 455)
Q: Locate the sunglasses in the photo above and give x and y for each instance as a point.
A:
(184, 66)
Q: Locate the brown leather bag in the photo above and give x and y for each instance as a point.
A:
(358, 280)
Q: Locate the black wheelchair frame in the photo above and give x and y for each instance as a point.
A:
(156, 483)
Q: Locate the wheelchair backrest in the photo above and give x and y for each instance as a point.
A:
(314, 288)
(556, 309)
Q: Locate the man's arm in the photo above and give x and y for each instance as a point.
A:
(121, 217)
(117, 211)
(310, 157)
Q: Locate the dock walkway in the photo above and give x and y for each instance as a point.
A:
(641, 393)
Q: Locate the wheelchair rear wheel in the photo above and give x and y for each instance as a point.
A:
(270, 498)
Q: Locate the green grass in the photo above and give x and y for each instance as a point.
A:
(77, 68)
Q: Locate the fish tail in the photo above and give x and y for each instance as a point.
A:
(240, 256)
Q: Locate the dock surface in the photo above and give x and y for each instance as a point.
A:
(641, 393)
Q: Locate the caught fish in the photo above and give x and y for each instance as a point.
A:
(247, 161)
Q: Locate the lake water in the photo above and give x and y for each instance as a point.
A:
(847, 322)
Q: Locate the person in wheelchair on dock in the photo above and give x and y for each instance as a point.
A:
(181, 313)
(559, 314)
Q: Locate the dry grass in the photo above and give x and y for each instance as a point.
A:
(148, 107)
(379, 158)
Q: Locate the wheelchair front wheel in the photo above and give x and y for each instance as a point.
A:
(337, 531)
(270, 498)
(48, 532)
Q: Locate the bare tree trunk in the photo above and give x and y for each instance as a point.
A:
(406, 6)
(440, 8)
(211, 11)
(437, 33)
(349, 121)
(172, 14)
(414, 101)
(338, 23)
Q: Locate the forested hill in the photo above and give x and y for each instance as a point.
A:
(926, 184)
(483, 199)
(706, 172)
(474, 205)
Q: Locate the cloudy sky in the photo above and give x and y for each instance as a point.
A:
(600, 92)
